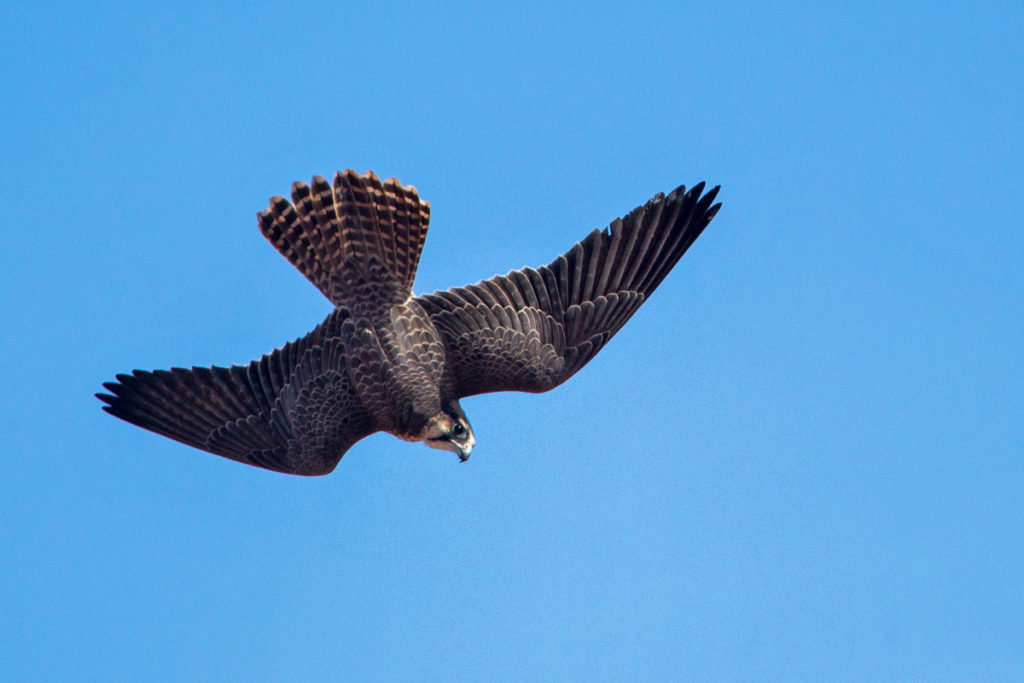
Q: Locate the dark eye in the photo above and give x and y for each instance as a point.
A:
(458, 430)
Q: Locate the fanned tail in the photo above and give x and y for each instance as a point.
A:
(360, 223)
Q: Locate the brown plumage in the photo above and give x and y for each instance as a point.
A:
(385, 360)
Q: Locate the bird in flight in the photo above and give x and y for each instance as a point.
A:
(387, 360)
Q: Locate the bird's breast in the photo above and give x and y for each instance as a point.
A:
(396, 363)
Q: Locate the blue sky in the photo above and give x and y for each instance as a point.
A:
(802, 459)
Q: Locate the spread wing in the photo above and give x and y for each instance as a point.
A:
(533, 329)
(293, 410)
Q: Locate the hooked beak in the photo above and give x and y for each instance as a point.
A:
(463, 451)
(460, 449)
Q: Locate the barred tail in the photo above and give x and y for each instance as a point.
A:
(326, 229)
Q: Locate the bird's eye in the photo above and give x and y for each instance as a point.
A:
(458, 430)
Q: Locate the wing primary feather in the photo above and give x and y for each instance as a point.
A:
(629, 229)
(662, 233)
(610, 256)
(593, 248)
(575, 259)
(648, 227)
(553, 319)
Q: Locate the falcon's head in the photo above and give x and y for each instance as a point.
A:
(449, 430)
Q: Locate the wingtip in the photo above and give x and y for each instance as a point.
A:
(691, 195)
(711, 194)
(112, 387)
(675, 194)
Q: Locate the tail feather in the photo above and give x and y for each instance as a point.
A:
(327, 229)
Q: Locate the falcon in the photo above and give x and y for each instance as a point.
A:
(387, 360)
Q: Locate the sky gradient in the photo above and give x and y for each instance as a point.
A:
(803, 458)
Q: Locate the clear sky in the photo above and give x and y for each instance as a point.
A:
(802, 459)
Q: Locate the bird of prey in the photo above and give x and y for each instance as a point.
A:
(387, 360)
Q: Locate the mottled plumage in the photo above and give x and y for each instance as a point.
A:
(385, 360)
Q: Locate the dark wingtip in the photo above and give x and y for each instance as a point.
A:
(704, 203)
(117, 411)
(112, 387)
(121, 414)
(675, 194)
